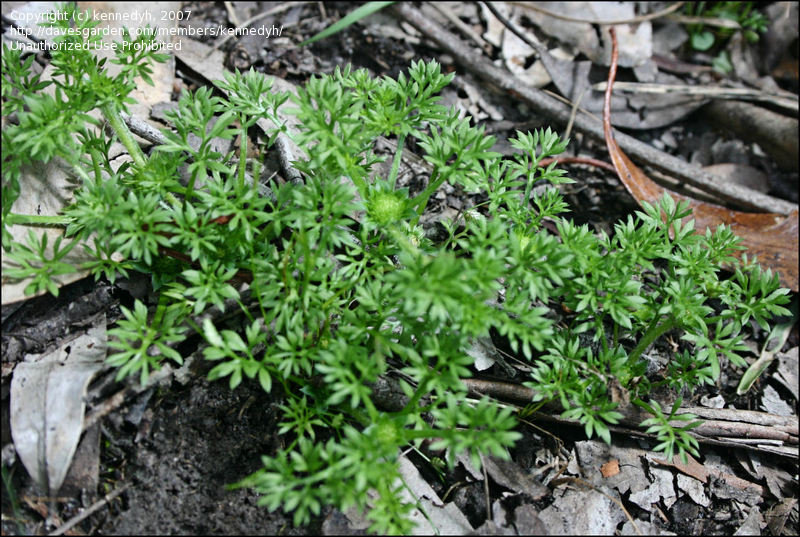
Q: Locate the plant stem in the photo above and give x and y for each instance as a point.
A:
(654, 331)
(529, 183)
(38, 219)
(397, 158)
(11, 494)
(421, 201)
(160, 309)
(243, 153)
(420, 391)
(125, 136)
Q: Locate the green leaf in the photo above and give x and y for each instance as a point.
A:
(702, 41)
(265, 380)
(211, 334)
(356, 15)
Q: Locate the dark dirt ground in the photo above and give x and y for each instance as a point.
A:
(178, 446)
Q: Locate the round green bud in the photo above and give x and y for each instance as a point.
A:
(385, 208)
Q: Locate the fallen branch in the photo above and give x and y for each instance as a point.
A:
(743, 428)
(739, 94)
(77, 519)
(774, 133)
(630, 20)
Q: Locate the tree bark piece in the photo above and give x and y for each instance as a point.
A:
(776, 134)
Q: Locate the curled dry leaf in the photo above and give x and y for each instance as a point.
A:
(773, 238)
(610, 469)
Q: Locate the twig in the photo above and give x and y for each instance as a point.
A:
(167, 371)
(571, 105)
(788, 424)
(730, 425)
(673, 65)
(541, 51)
(77, 519)
(719, 22)
(743, 94)
(579, 160)
(573, 114)
(631, 20)
(279, 9)
(286, 156)
(539, 101)
(119, 398)
(444, 9)
(505, 21)
(231, 13)
(704, 474)
(775, 133)
(143, 129)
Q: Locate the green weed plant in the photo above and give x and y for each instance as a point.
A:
(344, 286)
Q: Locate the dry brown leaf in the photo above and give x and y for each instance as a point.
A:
(773, 238)
(610, 469)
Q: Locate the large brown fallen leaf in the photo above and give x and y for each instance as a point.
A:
(771, 237)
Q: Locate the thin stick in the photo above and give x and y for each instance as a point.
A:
(632, 20)
(458, 23)
(541, 51)
(572, 114)
(719, 423)
(286, 156)
(744, 94)
(119, 398)
(588, 161)
(231, 13)
(143, 129)
(96, 506)
(514, 28)
(279, 9)
(708, 21)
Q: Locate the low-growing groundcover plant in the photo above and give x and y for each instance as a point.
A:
(343, 286)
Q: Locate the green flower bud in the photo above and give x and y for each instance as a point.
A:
(385, 208)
